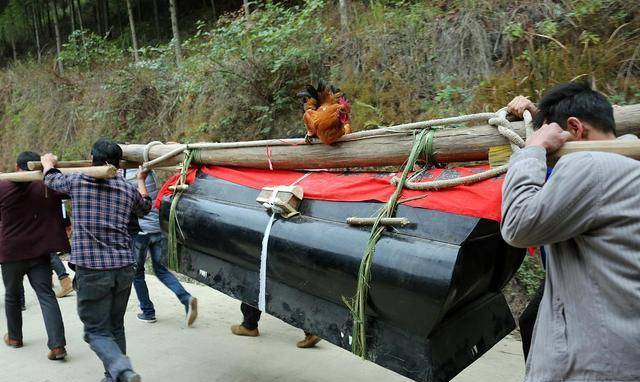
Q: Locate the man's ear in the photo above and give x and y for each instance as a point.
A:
(577, 129)
(18, 169)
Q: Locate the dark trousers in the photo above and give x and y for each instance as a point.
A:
(251, 316)
(38, 271)
(102, 302)
(58, 268)
(527, 319)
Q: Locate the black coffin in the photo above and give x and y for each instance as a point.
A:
(435, 304)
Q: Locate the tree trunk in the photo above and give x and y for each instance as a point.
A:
(176, 31)
(49, 23)
(37, 33)
(213, 10)
(247, 15)
(105, 16)
(96, 8)
(79, 13)
(245, 3)
(156, 19)
(344, 16)
(39, 17)
(72, 14)
(56, 28)
(13, 48)
(134, 39)
(373, 148)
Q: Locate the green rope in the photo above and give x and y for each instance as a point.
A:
(358, 304)
(429, 147)
(172, 239)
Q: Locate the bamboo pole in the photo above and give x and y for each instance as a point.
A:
(36, 165)
(393, 222)
(374, 148)
(628, 148)
(98, 172)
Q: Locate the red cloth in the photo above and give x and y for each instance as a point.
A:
(479, 200)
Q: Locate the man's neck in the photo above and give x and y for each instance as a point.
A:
(595, 135)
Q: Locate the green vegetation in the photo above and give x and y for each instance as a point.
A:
(530, 274)
(399, 61)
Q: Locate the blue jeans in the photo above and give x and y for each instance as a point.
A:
(156, 244)
(58, 266)
(102, 302)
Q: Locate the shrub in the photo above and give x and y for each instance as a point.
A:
(86, 50)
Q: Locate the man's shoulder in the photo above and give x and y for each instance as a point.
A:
(599, 165)
(576, 160)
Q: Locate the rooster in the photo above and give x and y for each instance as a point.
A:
(326, 113)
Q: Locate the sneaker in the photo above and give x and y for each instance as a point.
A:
(129, 376)
(192, 310)
(66, 287)
(146, 318)
(57, 354)
(12, 343)
(310, 340)
(240, 330)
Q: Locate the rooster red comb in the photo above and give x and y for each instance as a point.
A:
(346, 109)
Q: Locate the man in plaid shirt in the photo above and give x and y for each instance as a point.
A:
(101, 252)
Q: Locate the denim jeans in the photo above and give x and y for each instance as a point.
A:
(58, 266)
(102, 302)
(38, 271)
(156, 244)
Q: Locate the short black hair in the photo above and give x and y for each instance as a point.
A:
(579, 100)
(106, 151)
(25, 157)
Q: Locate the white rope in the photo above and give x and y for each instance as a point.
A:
(500, 121)
(147, 148)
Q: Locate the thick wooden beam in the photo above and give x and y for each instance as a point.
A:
(373, 148)
(98, 172)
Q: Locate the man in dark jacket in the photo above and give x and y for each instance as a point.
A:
(32, 229)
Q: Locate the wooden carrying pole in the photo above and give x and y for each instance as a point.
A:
(36, 165)
(372, 148)
(98, 172)
(629, 148)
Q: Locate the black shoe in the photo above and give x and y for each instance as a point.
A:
(146, 318)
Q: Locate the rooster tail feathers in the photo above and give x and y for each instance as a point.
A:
(323, 93)
(321, 86)
(309, 92)
(313, 92)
